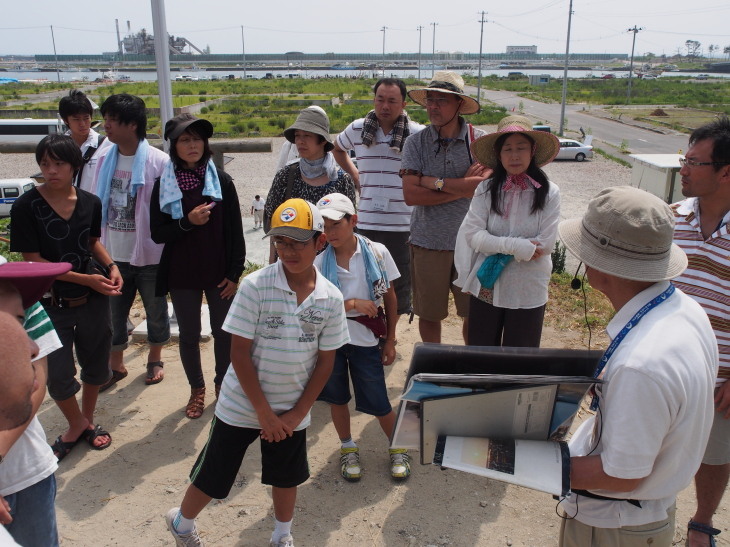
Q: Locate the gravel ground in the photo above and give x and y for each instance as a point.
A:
(253, 174)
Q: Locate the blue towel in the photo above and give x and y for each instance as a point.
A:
(171, 195)
(104, 181)
(375, 273)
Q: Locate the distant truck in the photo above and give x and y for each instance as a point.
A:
(658, 174)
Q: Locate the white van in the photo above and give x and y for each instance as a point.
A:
(10, 190)
(30, 130)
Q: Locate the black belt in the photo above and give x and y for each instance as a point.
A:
(588, 494)
(60, 302)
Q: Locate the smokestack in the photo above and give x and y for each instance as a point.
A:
(119, 39)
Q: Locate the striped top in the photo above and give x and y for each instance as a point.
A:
(286, 340)
(381, 205)
(707, 277)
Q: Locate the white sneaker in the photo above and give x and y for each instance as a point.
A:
(350, 464)
(400, 464)
(285, 541)
(182, 540)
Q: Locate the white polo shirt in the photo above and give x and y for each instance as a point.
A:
(286, 340)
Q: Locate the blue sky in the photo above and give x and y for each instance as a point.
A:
(315, 26)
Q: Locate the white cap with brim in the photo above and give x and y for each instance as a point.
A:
(335, 206)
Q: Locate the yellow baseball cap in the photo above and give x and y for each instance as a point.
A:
(296, 219)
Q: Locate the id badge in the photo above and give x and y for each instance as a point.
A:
(380, 203)
(119, 199)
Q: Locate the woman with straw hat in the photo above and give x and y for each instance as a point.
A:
(512, 220)
(316, 174)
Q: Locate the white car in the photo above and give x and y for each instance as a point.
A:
(574, 150)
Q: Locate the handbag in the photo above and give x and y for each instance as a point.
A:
(377, 324)
(491, 269)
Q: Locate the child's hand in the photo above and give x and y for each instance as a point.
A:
(365, 307)
(291, 419)
(387, 352)
(273, 428)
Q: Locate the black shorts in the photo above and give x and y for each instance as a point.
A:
(283, 464)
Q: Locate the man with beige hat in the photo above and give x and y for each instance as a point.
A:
(654, 410)
(439, 177)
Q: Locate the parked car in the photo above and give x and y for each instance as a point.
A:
(574, 150)
(10, 190)
(608, 76)
(703, 76)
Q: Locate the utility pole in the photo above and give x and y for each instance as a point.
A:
(433, 51)
(481, 40)
(635, 30)
(55, 56)
(565, 72)
(420, 28)
(383, 31)
(243, 53)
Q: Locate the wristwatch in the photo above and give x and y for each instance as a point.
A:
(439, 184)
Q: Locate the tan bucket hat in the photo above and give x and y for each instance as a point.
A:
(314, 120)
(445, 81)
(547, 144)
(627, 233)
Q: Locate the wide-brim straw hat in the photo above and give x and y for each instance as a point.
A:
(445, 81)
(314, 120)
(547, 144)
(627, 233)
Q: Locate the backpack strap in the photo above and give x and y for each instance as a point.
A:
(469, 140)
(90, 151)
(293, 172)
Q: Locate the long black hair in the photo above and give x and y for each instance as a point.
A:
(499, 176)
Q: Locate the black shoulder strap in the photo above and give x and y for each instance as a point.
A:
(90, 151)
(293, 172)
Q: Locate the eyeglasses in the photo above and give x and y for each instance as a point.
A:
(280, 245)
(684, 162)
(437, 101)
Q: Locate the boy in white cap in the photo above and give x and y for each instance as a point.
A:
(644, 445)
(286, 322)
(363, 270)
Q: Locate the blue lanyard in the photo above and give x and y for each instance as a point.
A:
(624, 331)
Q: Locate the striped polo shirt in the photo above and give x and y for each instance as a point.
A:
(381, 205)
(286, 340)
(707, 277)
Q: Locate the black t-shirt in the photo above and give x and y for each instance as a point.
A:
(36, 228)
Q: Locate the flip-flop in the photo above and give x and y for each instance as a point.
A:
(116, 377)
(702, 529)
(63, 448)
(150, 379)
(90, 436)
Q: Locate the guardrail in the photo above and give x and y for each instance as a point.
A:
(218, 147)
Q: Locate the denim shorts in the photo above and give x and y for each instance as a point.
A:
(34, 514)
(368, 380)
(142, 279)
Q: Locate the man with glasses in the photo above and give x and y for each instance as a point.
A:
(439, 179)
(703, 233)
(378, 140)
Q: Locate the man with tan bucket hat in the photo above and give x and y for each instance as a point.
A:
(654, 410)
(439, 177)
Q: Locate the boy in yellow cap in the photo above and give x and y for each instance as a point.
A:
(286, 323)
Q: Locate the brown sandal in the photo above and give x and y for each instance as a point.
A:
(196, 404)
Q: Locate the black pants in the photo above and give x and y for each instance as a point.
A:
(187, 304)
(493, 326)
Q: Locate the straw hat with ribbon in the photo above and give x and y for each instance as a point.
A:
(547, 145)
(445, 81)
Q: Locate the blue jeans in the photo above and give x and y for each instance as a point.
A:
(368, 380)
(142, 279)
(34, 514)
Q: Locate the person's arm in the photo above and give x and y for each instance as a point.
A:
(96, 282)
(462, 187)
(321, 373)
(99, 252)
(416, 194)
(549, 220)
(273, 428)
(235, 243)
(390, 302)
(342, 157)
(586, 473)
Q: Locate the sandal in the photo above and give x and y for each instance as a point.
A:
(150, 379)
(62, 448)
(702, 529)
(90, 436)
(196, 404)
(116, 377)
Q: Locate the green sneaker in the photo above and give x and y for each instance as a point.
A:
(350, 460)
(400, 464)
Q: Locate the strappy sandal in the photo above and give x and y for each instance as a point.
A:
(62, 448)
(702, 529)
(90, 435)
(196, 404)
(150, 379)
